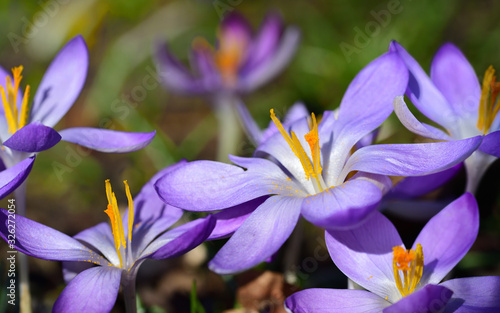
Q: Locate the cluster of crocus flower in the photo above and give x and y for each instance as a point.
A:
(309, 169)
(399, 280)
(324, 168)
(102, 258)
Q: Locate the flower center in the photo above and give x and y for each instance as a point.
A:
(227, 58)
(488, 104)
(116, 222)
(408, 266)
(310, 169)
(15, 121)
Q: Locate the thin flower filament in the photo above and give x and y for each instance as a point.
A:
(116, 223)
(310, 169)
(15, 121)
(410, 264)
(488, 104)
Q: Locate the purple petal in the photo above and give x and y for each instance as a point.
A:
(14, 176)
(93, 290)
(101, 239)
(173, 74)
(71, 269)
(411, 187)
(460, 219)
(474, 294)
(423, 93)
(34, 137)
(230, 219)
(294, 113)
(431, 298)
(259, 237)
(335, 301)
(202, 61)
(384, 183)
(368, 100)
(180, 239)
(105, 140)
(342, 206)
(411, 159)
(44, 242)
(149, 206)
(62, 83)
(491, 144)
(146, 231)
(235, 27)
(412, 124)
(265, 43)
(272, 176)
(455, 78)
(364, 254)
(274, 64)
(209, 186)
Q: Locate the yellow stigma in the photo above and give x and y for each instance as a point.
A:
(411, 264)
(488, 104)
(116, 222)
(310, 169)
(9, 101)
(130, 211)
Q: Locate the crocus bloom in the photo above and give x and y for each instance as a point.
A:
(399, 280)
(240, 62)
(453, 98)
(303, 170)
(25, 131)
(118, 251)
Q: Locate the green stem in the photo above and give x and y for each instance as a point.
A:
(228, 123)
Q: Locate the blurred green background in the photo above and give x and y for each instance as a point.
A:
(66, 186)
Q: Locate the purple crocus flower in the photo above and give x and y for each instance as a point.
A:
(99, 258)
(453, 98)
(399, 280)
(240, 62)
(25, 131)
(284, 180)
